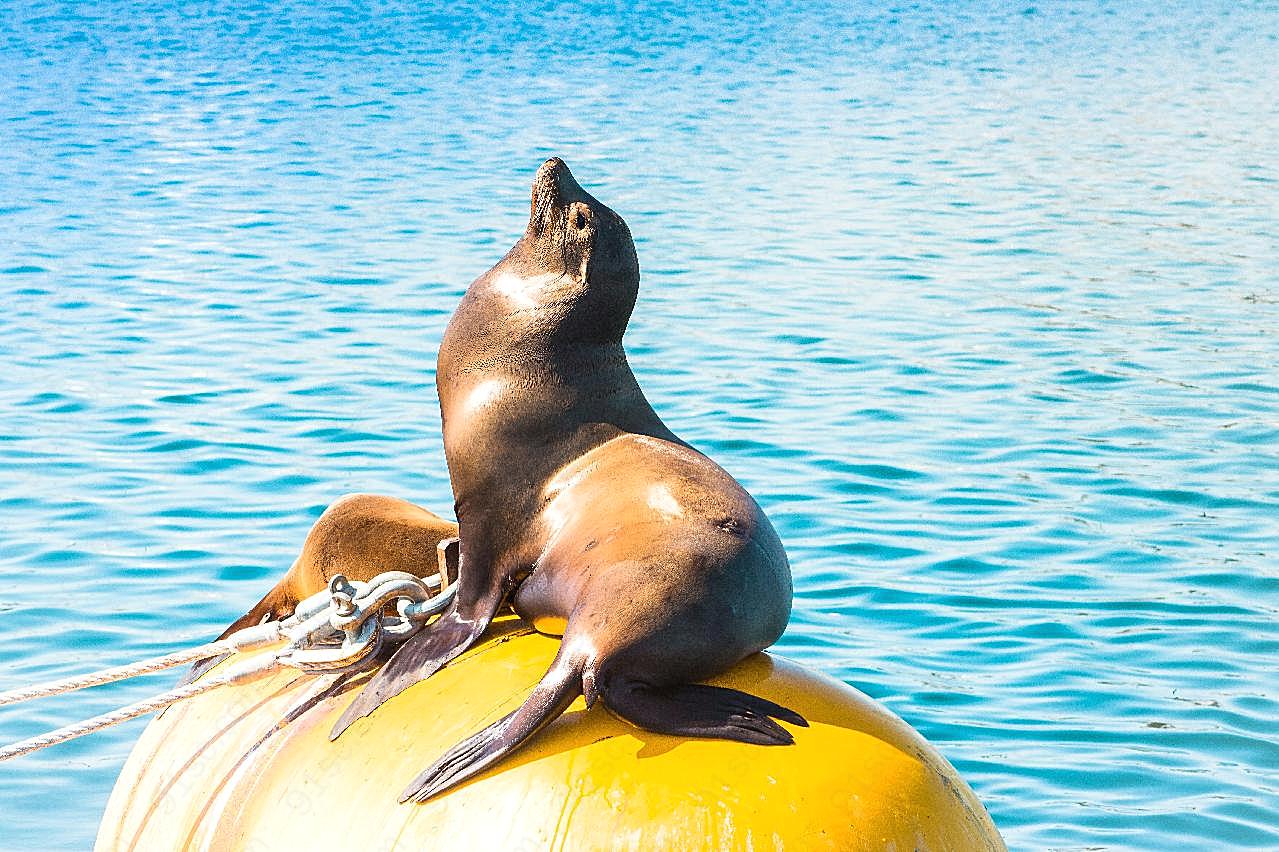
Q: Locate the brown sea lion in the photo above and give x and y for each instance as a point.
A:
(359, 536)
(579, 505)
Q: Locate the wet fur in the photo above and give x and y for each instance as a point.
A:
(358, 536)
(579, 506)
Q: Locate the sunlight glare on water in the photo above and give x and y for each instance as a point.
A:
(978, 299)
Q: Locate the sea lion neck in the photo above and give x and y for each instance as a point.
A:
(552, 312)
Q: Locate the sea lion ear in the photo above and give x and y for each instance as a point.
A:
(580, 234)
(580, 220)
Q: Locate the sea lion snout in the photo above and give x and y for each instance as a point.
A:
(552, 173)
(554, 189)
(572, 232)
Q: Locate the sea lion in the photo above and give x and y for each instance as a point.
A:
(579, 505)
(359, 536)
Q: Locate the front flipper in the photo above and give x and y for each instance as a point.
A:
(549, 699)
(417, 659)
(201, 667)
(698, 710)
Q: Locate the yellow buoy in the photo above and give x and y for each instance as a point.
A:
(220, 772)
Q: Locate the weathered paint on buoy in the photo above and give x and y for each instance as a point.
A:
(218, 772)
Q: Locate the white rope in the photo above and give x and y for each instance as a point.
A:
(243, 640)
(243, 673)
(337, 631)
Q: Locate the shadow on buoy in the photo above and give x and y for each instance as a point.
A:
(221, 772)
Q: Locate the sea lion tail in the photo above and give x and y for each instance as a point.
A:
(550, 698)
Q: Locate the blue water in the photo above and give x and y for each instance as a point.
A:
(980, 300)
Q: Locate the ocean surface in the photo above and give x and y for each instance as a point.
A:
(980, 300)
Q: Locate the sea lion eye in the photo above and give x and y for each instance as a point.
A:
(579, 217)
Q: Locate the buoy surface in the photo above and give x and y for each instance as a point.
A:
(220, 773)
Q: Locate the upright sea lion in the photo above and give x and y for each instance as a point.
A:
(578, 504)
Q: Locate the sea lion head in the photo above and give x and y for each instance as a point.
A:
(588, 247)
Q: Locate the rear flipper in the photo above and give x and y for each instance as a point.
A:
(419, 658)
(473, 755)
(697, 710)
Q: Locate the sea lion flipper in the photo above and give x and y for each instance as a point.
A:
(473, 755)
(275, 606)
(698, 710)
(200, 667)
(417, 659)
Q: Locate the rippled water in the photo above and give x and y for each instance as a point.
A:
(979, 299)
